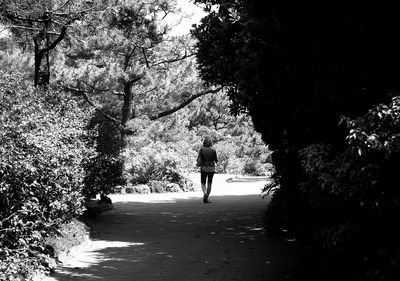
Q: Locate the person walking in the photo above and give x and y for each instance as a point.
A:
(206, 159)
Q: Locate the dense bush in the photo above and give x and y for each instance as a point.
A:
(71, 234)
(357, 189)
(153, 154)
(103, 174)
(13, 58)
(105, 170)
(42, 146)
(154, 162)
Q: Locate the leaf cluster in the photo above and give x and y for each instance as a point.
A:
(358, 185)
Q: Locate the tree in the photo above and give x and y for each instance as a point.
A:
(122, 62)
(127, 58)
(297, 69)
(44, 24)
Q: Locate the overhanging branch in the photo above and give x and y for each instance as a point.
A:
(30, 28)
(185, 103)
(62, 6)
(60, 36)
(93, 88)
(55, 42)
(175, 59)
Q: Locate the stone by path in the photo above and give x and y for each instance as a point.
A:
(175, 237)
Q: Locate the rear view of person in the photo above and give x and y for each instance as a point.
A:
(207, 158)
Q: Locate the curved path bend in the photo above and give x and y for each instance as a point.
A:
(175, 237)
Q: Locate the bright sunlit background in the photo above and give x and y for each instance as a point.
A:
(191, 14)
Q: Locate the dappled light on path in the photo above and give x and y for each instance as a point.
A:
(94, 253)
(177, 237)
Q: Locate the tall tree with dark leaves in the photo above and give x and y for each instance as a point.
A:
(297, 69)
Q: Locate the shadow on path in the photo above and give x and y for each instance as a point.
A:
(183, 239)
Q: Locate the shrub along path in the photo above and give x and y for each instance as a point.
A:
(177, 237)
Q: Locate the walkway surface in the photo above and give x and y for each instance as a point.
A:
(176, 237)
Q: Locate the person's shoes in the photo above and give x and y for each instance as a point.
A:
(205, 201)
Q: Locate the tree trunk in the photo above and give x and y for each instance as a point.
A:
(42, 72)
(42, 50)
(127, 111)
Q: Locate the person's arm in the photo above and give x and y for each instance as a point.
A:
(199, 158)
(215, 156)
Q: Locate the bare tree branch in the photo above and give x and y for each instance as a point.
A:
(93, 88)
(31, 28)
(115, 93)
(185, 103)
(144, 93)
(82, 12)
(14, 18)
(128, 57)
(175, 60)
(62, 6)
(55, 42)
(30, 21)
(165, 15)
(135, 79)
(145, 57)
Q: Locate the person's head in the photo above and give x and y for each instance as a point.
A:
(207, 142)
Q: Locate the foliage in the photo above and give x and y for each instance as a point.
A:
(13, 58)
(359, 186)
(70, 235)
(129, 68)
(107, 135)
(239, 147)
(27, 19)
(103, 173)
(166, 149)
(154, 154)
(163, 165)
(42, 24)
(158, 186)
(120, 57)
(296, 70)
(115, 63)
(43, 143)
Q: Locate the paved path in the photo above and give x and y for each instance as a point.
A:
(176, 237)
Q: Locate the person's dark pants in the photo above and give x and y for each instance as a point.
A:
(206, 177)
